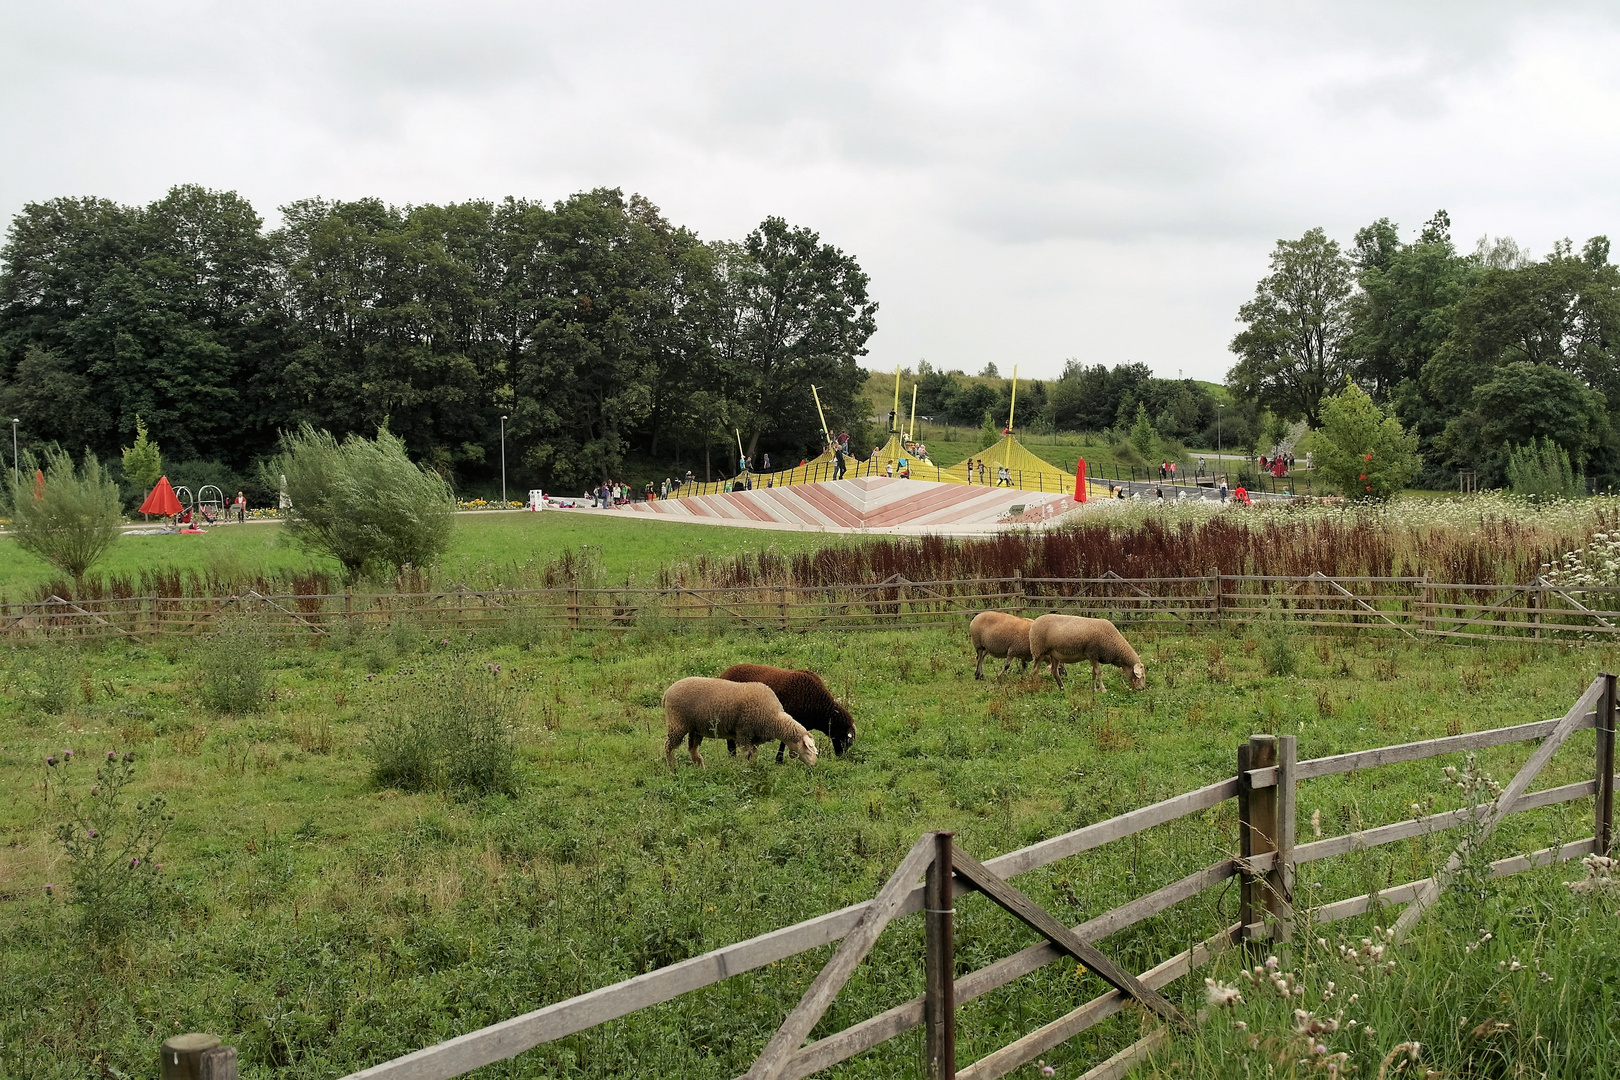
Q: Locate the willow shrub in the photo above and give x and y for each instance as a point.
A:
(362, 501)
(65, 515)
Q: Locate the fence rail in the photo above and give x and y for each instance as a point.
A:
(1409, 606)
(1265, 787)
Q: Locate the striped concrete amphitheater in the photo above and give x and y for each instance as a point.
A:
(866, 503)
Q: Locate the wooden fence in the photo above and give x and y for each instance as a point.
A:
(1409, 606)
(1264, 786)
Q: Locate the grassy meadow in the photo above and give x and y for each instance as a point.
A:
(488, 548)
(323, 922)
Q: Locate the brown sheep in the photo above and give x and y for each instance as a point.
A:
(748, 712)
(999, 634)
(1067, 639)
(805, 697)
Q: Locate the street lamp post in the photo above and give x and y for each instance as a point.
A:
(1218, 409)
(503, 463)
(16, 476)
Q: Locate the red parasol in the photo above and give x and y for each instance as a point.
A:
(162, 500)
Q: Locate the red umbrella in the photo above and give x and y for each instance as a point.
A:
(162, 500)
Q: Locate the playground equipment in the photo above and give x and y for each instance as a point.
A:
(210, 504)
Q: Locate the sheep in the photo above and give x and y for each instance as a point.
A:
(805, 697)
(1002, 635)
(1066, 639)
(747, 712)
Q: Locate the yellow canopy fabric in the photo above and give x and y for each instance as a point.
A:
(1028, 471)
(893, 451)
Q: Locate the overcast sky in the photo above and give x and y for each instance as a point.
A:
(1024, 182)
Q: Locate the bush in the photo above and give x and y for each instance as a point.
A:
(361, 501)
(1542, 469)
(110, 851)
(1361, 451)
(1277, 650)
(447, 729)
(230, 664)
(69, 517)
(44, 677)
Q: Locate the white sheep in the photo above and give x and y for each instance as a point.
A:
(747, 712)
(1068, 639)
(1001, 635)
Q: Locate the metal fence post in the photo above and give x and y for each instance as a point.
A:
(939, 962)
(1605, 766)
(1257, 826)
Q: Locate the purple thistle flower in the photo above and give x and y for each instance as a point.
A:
(66, 754)
(91, 833)
(111, 755)
(157, 867)
(48, 889)
(51, 761)
(133, 863)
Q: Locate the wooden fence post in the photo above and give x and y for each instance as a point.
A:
(1605, 765)
(1257, 826)
(782, 601)
(1217, 598)
(1427, 622)
(1018, 590)
(939, 962)
(196, 1057)
(573, 607)
(1533, 602)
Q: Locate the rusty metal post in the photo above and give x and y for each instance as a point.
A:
(939, 965)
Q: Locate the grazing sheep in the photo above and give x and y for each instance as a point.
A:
(1067, 639)
(747, 712)
(1001, 635)
(804, 696)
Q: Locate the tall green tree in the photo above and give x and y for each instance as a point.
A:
(798, 314)
(1291, 355)
(143, 460)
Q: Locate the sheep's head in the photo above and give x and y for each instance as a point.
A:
(806, 751)
(1138, 676)
(843, 732)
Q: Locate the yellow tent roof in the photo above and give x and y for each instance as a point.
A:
(1029, 471)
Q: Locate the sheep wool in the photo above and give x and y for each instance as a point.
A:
(748, 712)
(1068, 639)
(805, 697)
(1002, 635)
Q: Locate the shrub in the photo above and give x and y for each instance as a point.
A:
(1363, 452)
(111, 851)
(230, 664)
(447, 729)
(1542, 469)
(143, 462)
(1277, 650)
(44, 677)
(68, 517)
(361, 501)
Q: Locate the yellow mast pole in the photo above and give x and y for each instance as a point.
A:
(911, 431)
(896, 412)
(1012, 406)
(825, 434)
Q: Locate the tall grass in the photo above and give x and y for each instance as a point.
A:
(447, 727)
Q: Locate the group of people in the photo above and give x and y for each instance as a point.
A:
(1003, 473)
(1277, 466)
(607, 495)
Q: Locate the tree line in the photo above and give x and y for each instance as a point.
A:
(600, 330)
(1491, 358)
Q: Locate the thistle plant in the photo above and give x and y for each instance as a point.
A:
(111, 850)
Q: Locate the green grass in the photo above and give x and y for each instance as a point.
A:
(323, 924)
(484, 544)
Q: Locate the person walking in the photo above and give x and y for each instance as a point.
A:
(1223, 489)
(839, 466)
(1003, 476)
(982, 477)
(1200, 469)
(1172, 472)
(767, 464)
(240, 503)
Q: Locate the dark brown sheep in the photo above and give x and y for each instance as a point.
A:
(806, 699)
